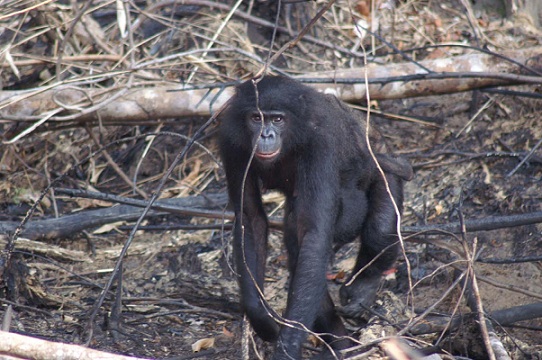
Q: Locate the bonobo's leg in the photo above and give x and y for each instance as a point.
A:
(378, 233)
(250, 253)
(327, 320)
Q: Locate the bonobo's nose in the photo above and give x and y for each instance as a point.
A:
(268, 133)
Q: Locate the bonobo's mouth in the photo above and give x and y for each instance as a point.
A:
(267, 156)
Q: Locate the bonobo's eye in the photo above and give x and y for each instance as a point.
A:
(256, 117)
(278, 119)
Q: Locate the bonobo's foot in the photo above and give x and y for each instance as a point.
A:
(359, 296)
(288, 348)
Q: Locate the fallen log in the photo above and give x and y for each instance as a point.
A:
(66, 226)
(433, 324)
(67, 103)
(131, 209)
(26, 347)
(482, 224)
(448, 75)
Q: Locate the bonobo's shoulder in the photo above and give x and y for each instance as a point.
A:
(344, 108)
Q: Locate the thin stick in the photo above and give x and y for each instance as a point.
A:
(525, 158)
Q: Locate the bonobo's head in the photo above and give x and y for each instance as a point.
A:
(268, 116)
(267, 129)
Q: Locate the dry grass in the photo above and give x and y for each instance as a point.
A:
(91, 45)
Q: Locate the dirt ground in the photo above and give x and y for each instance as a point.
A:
(178, 287)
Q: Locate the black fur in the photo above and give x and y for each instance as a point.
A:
(334, 194)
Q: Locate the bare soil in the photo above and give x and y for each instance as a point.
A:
(178, 287)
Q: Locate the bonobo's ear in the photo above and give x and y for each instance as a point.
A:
(396, 166)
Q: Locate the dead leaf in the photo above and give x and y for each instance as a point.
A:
(108, 227)
(336, 276)
(203, 344)
(364, 7)
(226, 332)
(313, 340)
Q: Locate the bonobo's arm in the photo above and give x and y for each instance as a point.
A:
(316, 212)
(250, 251)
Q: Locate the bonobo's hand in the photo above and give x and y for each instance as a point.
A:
(359, 296)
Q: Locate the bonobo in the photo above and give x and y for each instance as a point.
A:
(276, 133)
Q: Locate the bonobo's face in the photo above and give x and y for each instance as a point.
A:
(267, 133)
